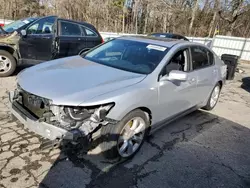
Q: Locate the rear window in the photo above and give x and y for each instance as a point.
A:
(70, 29)
(133, 56)
(201, 57)
(89, 32)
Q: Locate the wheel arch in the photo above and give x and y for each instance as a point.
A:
(11, 50)
(83, 50)
(221, 83)
(147, 111)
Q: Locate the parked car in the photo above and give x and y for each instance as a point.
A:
(45, 39)
(109, 38)
(17, 25)
(169, 35)
(4, 22)
(119, 92)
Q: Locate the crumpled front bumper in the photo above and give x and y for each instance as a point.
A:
(43, 129)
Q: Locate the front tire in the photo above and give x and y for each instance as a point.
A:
(214, 97)
(125, 138)
(7, 64)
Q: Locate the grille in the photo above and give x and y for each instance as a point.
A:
(34, 104)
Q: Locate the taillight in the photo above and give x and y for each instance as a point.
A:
(103, 40)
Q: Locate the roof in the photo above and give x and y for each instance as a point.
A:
(167, 42)
(78, 22)
(169, 35)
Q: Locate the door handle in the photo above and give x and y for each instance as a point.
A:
(192, 80)
(45, 37)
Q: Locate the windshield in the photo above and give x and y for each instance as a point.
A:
(17, 24)
(133, 56)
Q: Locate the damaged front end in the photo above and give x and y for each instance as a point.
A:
(84, 119)
(81, 124)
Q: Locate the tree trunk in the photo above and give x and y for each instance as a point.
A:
(196, 6)
(168, 21)
(136, 23)
(164, 28)
(231, 29)
(154, 25)
(123, 22)
(246, 32)
(212, 23)
(146, 19)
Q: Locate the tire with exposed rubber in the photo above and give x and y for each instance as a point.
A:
(110, 134)
(208, 106)
(12, 63)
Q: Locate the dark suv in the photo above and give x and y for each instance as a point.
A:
(45, 39)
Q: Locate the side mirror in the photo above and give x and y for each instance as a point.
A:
(23, 32)
(175, 75)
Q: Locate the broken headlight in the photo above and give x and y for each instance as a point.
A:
(95, 113)
(86, 119)
(72, 115)
(101, 112)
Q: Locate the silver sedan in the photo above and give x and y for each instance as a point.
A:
(118, 92)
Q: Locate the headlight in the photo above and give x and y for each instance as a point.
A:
(95, 113)
(101, 112)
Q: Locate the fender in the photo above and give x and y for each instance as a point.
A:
(11, 49)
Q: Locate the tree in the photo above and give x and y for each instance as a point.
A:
(186, 17)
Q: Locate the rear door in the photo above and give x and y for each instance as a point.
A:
(203, 65)
(92, 37)
(36, 46)
(70, 38)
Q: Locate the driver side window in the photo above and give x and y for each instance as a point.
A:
(43, 26)
(178, 62)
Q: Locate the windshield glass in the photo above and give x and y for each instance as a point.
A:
(133, 56)
(17, 24)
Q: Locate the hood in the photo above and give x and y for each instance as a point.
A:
(73, 80)
(10, 38)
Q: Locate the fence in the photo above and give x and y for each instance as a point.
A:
(220, 44)
(106, 35)
(205, 41)
(232, 45)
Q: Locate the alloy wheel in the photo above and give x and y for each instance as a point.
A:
(215, 96)
(131, 137)
(5, 64)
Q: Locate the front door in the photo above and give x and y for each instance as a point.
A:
(177, 96)
(36, 46)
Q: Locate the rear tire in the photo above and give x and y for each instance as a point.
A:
(213, 98)
(112, 135)
(7, 64)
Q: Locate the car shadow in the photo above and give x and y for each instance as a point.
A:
(246, 84)
(200, 149)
